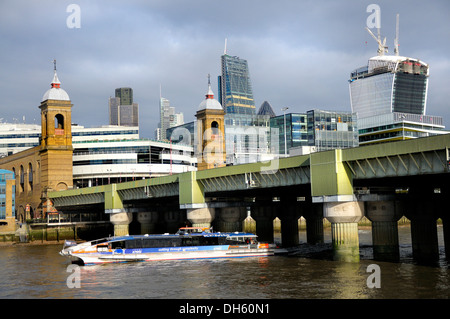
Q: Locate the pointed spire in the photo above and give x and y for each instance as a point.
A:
(55, 83)
(210, 94)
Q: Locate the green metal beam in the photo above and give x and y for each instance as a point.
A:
(330, 176)
(191, 191)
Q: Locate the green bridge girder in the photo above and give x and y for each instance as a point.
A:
(329, 173)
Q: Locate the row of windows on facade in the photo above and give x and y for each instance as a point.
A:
(38, 135)
(23, 180)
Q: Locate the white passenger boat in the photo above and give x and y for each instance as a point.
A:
(187, 243)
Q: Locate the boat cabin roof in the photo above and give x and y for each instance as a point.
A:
(184, 231)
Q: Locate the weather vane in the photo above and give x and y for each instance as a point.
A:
(54, 64)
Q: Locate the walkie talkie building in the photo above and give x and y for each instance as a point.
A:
(389, 96)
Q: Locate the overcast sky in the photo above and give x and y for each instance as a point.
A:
(300, 53)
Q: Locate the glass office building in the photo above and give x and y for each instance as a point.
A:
(235, 89)
(389, 84)
(389, 96)
(296, 130)
(322, 130)
(247, 138)
(332, 129)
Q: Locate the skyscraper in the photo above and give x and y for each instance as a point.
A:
(167, 119)
(235, 89)
(389, 96)
(122, 110)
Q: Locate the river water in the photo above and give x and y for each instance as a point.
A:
(38, 271)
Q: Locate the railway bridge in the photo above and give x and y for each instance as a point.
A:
(382, 182)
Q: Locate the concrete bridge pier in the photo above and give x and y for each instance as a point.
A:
(384, 216)
(173, 219)
(289, 213)
(201, 217)
(147, 221)
(313, 215)
(344, 218)
(121, 222)
(229, 219)
(264, 216)
(423, 230)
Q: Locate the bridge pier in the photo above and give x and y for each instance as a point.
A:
(173, 219)
(423, 230)
(229, 219)
(289, 213)
(147, 221)
(313, 215)
(344, 218)
(384, 216)
(264, 216)
(121, 222)
(201, 217)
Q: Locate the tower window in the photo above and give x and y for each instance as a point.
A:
(59, 124)
(215, 128)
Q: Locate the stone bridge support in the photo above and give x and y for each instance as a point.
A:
(264, 212)
(201, 217)
(344, 218)
(423, 216)
(229, 219)
(288, 211)
(313, 214)
(384, 216)
(147, 220)
(173, 219)
(121, 222)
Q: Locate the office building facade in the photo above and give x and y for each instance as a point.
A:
(317, 130)
(167, 119)
(295, 127)
(389, 96)
(329, 130)
(122, 110)
(235, 88)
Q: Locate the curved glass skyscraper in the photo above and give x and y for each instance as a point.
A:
(389, 84)
(389, 96)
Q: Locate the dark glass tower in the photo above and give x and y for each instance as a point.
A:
(235, 89)
(125, 95)
(122, 110)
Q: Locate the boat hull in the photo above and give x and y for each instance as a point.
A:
(101, 258)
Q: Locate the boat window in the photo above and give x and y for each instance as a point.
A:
(118, 244)
(191, 241)
(134, 243)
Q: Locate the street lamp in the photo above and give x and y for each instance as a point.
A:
(285, 144)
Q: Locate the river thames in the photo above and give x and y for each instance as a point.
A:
(38, 271)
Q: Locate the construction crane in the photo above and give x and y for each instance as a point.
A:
(382, 48)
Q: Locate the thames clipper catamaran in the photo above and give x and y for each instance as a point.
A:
(187, 243)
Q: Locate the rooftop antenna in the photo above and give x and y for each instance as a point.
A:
(396, 36)
(225, 50)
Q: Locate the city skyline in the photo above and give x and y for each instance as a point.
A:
(300, 54)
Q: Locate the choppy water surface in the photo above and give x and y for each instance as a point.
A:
(40, 272)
